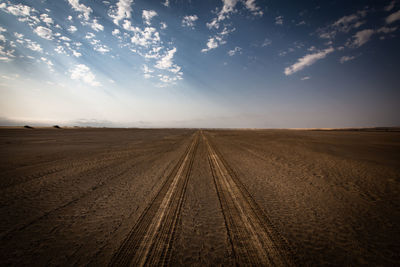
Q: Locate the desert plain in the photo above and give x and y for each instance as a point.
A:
(180, 197)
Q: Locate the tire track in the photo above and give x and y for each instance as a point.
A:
(150, 240)
(254, 240)
(125, 165)
(13, 179)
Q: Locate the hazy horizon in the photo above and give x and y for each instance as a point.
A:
(200, 64)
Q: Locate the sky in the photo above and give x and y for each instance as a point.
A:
(209, 63)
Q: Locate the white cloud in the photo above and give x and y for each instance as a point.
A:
(166, 3)
(23, 12)
(305, 78)
(46, 19)
(94, 41)
(75, 53)
(251, 5)
(18, 10)
(166, 62)
(90, 35)
(266, 42)
(346, 58)
(122, 11)
(13, 77)
(60, 49)
(390, 6)
(227, 8)
(82, 72)
(115, 32)
(48, 63)
(128, 26)
(18, 35)
(65, 38)
(154, 52)
(360, 38)
(2, 29)
(386, 29)
(146, 37)
(44, 32)
(6, 55)
(393, 17)
(211, 44)
(102, 49)
(217, 40)
(33, 45)
(236, 50)
(188, 21)
(279, 20)
(163, 25)
(307, 60)
(147, 15)
(226, 31)
(343, 24)
(96, 26)
(84, 10)
(168, 80)
(72, 29)
(147, 71)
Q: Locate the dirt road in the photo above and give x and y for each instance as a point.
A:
(185, 197)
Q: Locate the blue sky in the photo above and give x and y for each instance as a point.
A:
(231, 63)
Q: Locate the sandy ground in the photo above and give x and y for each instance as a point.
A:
(184, 197)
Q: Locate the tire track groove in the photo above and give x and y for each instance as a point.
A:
(150, 240)
(255, 242)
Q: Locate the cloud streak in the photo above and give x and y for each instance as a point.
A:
(307, 60)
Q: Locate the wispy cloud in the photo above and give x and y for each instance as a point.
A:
(253, 8)
(361, 37)
(189, 21)
(279, 20)
(307, 60)
(236, 50)
(393, 17)
(346, 58)
(266, 42)
(343, 24)
(390, 6)
(166, 3)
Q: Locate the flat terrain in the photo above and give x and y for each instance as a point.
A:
(199, 197)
